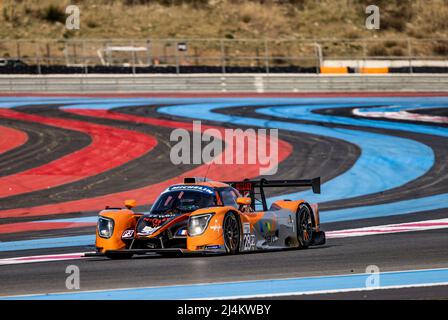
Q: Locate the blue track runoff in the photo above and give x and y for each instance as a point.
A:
(386, 162)
(417, 205)
(46, 243)
(306, 112)
(259, 288)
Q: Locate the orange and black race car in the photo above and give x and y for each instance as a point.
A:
(202, 216)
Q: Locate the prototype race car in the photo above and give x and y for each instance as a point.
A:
(202, 216)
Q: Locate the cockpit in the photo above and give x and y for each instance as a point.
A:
(183, 201)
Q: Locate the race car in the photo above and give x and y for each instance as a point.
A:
(203, 216)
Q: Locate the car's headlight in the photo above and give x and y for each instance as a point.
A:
(105, 227)
(198, 224)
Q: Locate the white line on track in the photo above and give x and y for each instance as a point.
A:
(400, 115)
(389, 228)
(42, 258)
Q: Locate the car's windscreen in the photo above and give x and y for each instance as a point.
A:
(183, 201)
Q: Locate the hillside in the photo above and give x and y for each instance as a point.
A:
(28, 19)
(234, 19)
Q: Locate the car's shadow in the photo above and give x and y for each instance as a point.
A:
(210, 255)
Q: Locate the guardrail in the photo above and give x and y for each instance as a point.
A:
(221, 83)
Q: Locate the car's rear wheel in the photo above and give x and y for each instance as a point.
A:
(304, 226)
(231, 233)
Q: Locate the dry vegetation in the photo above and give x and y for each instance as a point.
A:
(231, 19)
(223, 18)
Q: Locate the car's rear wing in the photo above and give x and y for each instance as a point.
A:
(250, 186)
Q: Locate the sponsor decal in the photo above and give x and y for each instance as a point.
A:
(271, 238)
(147, 230)
(127, 234)
(156, 220)
(248, 242)
(248, 238)
(243, 186)
(267, 227)
(159, 216)
(216, 247)
(216, 227)
(182, 232)
(204, 189)
(246, 228)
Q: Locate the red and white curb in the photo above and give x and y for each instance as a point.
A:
(400, 115)
(42, 258)
(389, 228)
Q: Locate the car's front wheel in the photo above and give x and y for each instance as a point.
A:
(231, 233)
(304, 226)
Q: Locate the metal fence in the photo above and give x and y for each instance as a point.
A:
(220, 53)
(229, 83)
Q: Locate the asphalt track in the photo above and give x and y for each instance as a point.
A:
(412, 188)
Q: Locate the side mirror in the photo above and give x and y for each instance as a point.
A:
(129, 204)
(243, 201)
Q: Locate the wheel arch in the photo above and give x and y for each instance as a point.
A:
(294, 207)
(240, 223)
(123, 219)
(313, 218)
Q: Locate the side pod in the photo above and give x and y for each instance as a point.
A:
(318, 235)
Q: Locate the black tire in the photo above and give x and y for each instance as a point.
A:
(231, 233)
(304, 226)
(118, 256)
